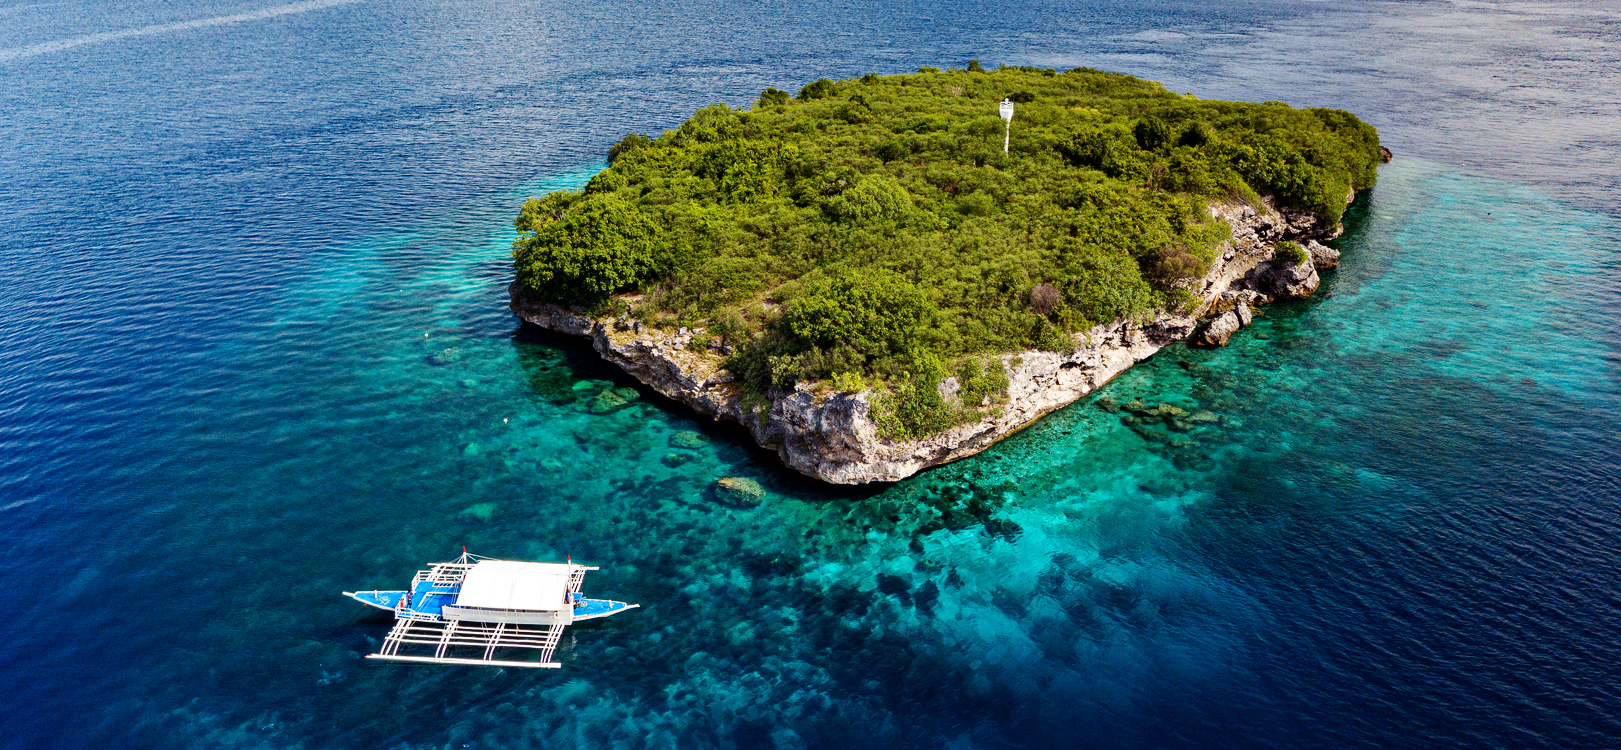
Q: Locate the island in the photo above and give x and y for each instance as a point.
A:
(879, 275)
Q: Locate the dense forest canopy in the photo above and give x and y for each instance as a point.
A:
(873, 232)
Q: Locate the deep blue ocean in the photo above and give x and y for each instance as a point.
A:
(255, 351)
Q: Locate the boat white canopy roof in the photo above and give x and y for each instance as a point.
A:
(510, 584)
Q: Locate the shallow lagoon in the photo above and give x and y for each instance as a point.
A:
(1399, 531)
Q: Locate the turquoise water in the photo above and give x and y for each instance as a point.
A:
(257, 352)
(1080, 570)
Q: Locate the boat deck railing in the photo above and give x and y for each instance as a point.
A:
(456, 642)
(442, 574)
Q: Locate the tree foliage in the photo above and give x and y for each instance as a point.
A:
(869, 225)
(874, 311)
(595, 248)
(1290, 253)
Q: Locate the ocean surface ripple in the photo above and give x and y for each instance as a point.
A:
(254, 351)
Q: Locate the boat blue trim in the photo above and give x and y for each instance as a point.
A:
(464, 634)
(388, 600)
(591, 609)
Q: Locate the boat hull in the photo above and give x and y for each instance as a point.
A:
(588, 609)
(389, 600)
(596, 609)
(511, 617)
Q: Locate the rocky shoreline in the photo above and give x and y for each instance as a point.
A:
(830, 435)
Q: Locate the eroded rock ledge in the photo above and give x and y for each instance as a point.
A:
(830, 435)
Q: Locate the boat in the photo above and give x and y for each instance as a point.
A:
(476, 609)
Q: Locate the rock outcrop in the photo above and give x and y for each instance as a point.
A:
(1322, 256)
(831, 436)
(1224, 325)
(739, 491)
(1284, 279)
(1221, 328)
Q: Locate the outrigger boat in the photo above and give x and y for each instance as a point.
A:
(465, 612)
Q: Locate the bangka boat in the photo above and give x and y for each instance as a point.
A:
(473, 609)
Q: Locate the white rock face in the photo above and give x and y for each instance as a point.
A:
(1323, 257)
(831, 436)
(1222, 328)
(1282, 279)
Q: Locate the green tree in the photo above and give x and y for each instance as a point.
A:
(874, 311)
(875, 197)
(628, 144)
(820, 88)
(605, 181)
(599, 246)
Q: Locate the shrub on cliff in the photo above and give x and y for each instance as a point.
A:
(595, 248)
(912, 407)
(1290, 253)
(981, 381)
(849, 321)
(874, 311)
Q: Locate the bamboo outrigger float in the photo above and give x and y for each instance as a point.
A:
(470, 610)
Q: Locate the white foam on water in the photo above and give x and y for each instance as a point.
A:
(19, 503)
(60, 45)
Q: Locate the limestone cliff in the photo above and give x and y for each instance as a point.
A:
(830, 436)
